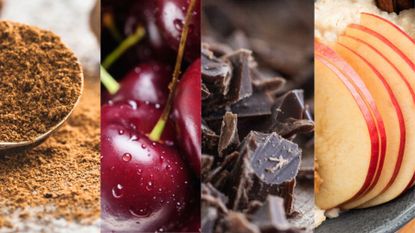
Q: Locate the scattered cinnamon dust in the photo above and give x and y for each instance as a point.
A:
(62, 173)
(40, 81)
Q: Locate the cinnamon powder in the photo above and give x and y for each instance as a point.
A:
(40, 81)
(61, 176)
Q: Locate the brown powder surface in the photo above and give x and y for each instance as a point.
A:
(40, 81)
(63, 172)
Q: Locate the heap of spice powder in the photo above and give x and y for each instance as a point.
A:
(59, 179)
(40, 81)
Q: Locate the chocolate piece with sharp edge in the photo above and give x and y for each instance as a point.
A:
(267, 165)
(229, 138)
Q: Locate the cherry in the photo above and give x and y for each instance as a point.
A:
(154, 45)
(192, 224)
(145, 185)
(170, 16)
(187, 114)
(147, 82)
(136, 115)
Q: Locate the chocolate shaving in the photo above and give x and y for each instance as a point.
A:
(229, 139)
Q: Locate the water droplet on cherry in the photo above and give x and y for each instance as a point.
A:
(178, 24)
(126, 157)
(117, 191)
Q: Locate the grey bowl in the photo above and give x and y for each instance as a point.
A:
(386, 218)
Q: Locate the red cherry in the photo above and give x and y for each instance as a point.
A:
(137, 116)
(187, 114)
(145, 185)
(147, 82)
(170, 17)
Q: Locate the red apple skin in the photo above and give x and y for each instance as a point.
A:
(393, 25)
(411, 184)
(386, 41)
(377, 130)
(187, 115)
(400, 117)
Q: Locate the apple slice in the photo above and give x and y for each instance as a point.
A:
(393, 120)
(345, 161)
(391, 32)
(354, 78)
(411, 184)
(406, 99)
(386, 48)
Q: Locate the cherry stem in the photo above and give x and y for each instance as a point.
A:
(109, 82)
(125, 44)
(158, 129)
(108, 22)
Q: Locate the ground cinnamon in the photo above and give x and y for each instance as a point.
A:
(60, 179)
(40, 81)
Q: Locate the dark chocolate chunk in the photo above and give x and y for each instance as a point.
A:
(205, 92)
(256, 91)
(210, 140)
(257, 105)
(219, 176)
(216, 49)
(213, 206)
(268, 165)
(229, 138)
(241, 86)
(271, 217)
(216, 73)
(290, 115)
(207, 163)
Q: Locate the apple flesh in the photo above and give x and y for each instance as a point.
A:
(393, 120)
(344, 161)
(387, 48)
(391, 32)
(406, 98)
(377, 161)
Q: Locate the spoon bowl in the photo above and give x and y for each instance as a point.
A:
(12, 147)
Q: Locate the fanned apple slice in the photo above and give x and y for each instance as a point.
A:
(387, 48)
(391, 32)
(406, 98)
(393, 120)
(377, 161)
(411, 184)
(346, 136)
